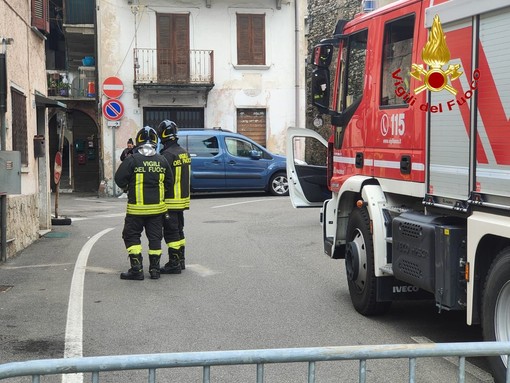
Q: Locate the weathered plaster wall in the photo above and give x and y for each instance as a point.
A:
(272, 88)
(26, 74)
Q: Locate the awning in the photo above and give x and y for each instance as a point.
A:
(42, 100)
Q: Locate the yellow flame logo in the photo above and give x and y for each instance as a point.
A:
(436, 54)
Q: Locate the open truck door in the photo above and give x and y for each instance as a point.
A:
(307, 167)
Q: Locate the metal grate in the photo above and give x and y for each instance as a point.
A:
(19, 125)
(410, 230)
(410, 268)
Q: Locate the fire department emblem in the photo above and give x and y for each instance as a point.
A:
(436, 54)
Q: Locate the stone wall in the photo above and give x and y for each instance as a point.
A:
(22, 222)
(322, 18)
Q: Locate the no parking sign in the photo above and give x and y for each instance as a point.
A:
(113, 109)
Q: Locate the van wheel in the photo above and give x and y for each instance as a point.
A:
(279, 184)
(359, 265)
(496, 310)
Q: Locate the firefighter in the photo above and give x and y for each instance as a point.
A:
(177, 198)
(145, 174)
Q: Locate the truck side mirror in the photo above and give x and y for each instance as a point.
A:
(322, 54)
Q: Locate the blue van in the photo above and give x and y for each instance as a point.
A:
(225, 161)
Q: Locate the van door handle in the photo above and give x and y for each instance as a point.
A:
(215, 161)
(231, 162)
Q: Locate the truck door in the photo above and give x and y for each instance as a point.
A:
(307, 167)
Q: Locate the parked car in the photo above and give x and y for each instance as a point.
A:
(222, 160)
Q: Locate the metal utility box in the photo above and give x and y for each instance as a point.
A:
(451, 252)
(10, 172)
(413, 250)
(39, 146)
(427, 253)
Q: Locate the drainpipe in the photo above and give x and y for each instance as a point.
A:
(3, 91)
(3, 99)
(297, 74)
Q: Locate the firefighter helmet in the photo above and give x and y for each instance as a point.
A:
(147, 135)
(167, 130)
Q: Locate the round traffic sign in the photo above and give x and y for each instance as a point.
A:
(113, 87)
(113, 110)
(57, 168)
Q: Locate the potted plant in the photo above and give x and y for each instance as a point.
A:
(63, 88)
(52, 87)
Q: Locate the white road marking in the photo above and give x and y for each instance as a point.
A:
(74, 326)
(252, 201)
(201, 270)
(98, 216)
(34, 266)
(470, 368)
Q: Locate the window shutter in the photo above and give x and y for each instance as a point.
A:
(258, 40)
(251, 39)
(40, 15)
(243, 40)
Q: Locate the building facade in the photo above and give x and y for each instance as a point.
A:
(202, 64)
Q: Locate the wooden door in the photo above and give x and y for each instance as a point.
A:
(173, 48)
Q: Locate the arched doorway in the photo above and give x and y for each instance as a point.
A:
(80, 153)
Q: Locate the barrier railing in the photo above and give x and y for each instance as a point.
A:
(206, 360)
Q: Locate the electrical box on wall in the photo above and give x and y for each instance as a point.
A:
(39, 148)
(10, 172)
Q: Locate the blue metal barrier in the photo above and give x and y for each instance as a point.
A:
(206, 360)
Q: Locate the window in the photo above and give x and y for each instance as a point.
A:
(251, 39)
(397, 51)
(173, 48)
(40, 15)
(353, 70)
(239, 148)
(19, 125)
(202, 146)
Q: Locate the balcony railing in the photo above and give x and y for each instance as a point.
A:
(162, 67)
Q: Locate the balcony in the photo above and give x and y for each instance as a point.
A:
(75, 85)
(79, 31)
(161, 69)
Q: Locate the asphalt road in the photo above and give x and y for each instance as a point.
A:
(256, 278)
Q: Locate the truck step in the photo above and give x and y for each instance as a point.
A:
(387, 269)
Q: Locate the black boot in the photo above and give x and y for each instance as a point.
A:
(136, 270)
(174, 264)
(154, 266)
(181, 257)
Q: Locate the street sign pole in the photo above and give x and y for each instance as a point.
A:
(114, 185)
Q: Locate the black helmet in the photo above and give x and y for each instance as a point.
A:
(147, 135)
(167, 130)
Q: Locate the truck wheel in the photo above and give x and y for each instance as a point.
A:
(496, 309)
(279, 184)
(359, 265)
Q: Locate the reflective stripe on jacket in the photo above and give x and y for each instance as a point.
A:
(177, 197)
(146, 178)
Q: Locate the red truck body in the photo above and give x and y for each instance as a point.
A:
(415, 184)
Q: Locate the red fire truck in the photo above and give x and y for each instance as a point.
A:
(415, 181)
